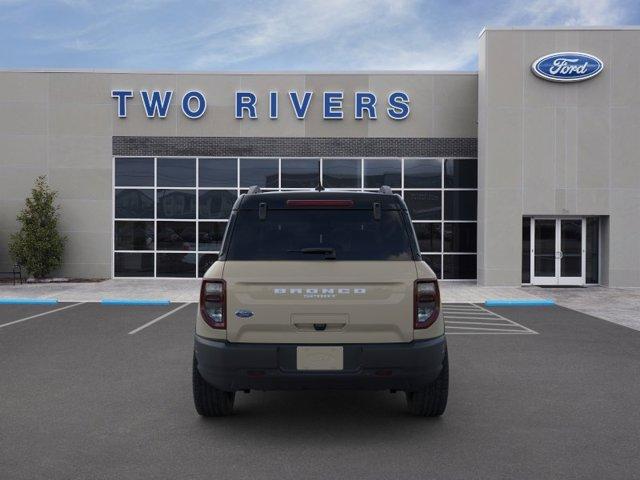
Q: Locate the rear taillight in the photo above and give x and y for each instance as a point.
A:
(212, 303)
(426, 303)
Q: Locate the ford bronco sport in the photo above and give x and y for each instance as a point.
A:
(320, 290)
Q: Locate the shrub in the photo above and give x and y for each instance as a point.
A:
(37, 245)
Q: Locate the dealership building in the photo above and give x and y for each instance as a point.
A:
(524, 172)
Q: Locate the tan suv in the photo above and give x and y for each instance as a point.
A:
(320, 290)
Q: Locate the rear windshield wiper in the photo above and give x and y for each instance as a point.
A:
(330, 253)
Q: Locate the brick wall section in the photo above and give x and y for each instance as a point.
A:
(294, 146)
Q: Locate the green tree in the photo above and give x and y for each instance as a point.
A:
(38, 246)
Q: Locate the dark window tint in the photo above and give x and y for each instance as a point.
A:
(459, 267)
(460, 237)
(435, 262)
(460, 173)
(460, 205)
(176, 172)
(176, 235)
(341, 173)
(132, 203)
(300, 172)
(133, 265)
(526, 250)
(429, 236)
(382, 172)
(134, 172)
(426, 205)
(593, 246)
(204, 262)
(134, 236)
(262, 172)
(176, 204)
(422, 173)
(210, 235)
(176, 264)
(353, 234)
(218, 172)
(216, 203)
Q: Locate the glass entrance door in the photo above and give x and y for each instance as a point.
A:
(558, 251)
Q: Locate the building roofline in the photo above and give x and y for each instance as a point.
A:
(562, 28)
(238, 73)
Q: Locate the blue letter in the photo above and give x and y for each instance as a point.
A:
(246, 101)
(300, 108)
(156, 104)
(332, 101)
(273, 105)
(366, 101)
(398, 105)
(202, 104)
(122, 96)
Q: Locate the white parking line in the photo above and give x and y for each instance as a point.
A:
(480, 323)
(486, 329)
(40, 315)
(473, 319)
(165, 315)
(506, 319)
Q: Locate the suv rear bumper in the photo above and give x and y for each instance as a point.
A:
(250, 366)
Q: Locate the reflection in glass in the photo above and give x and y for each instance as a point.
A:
(429, 236)
(176, 235)
(218, 172)
(176, 172)
(571, 248)
(133, 265)
(216, 203)
(593, 247)
(460, 173)
(459, 267)
(544, 262)
(422, 173)
(425, 205)
(435, 263)
(176, 264)
(300, 172)
(262, 172)
(210, 235)
(134, 172)
(134, 203)
(460, 237)
(205, 261)
(460, 205)
(380, 172)
(176, 203)
(341, 173)
(133, 236)
(526, 250)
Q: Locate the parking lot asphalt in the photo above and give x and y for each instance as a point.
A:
(88, 394)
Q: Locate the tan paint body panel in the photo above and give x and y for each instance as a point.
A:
(359, 301)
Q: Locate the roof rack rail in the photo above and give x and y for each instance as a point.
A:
(386, 189)
(253, 190)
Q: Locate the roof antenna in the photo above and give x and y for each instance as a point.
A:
(319, 188)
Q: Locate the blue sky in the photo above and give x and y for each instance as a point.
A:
(274, 35)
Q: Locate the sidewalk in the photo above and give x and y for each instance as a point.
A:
(618, 305)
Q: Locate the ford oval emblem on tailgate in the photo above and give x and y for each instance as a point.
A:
(244, 313)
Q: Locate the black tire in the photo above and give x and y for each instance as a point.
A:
(432, 401)
(209, 401)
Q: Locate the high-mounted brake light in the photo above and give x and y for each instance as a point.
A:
(319, 203)
(426, 303)
(213, 303)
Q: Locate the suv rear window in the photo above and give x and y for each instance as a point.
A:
(320, 235)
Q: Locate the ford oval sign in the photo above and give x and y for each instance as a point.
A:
(567, 67)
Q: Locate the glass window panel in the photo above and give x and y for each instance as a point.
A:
(133, 236)
(425, 205)
(429, 236)
(133, 265)
(460, 205)
(176, 235)
(341, 173)
(460, 173)
(435, 263)
(593, 247)
(459, 267)
(134, 203)
(526, 250)
(176, 203)
(205, 261)
(460, 237)
(422, 173)
(134, 172)
(176, 172)
(300, 172)
(378, 172)
(262, 172)
(210, 235)
(216, 203)
(176, 264)
(218, 172)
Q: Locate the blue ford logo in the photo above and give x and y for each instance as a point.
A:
(244, 313)
(567, 67)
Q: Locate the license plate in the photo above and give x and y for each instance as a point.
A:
(320, 358)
